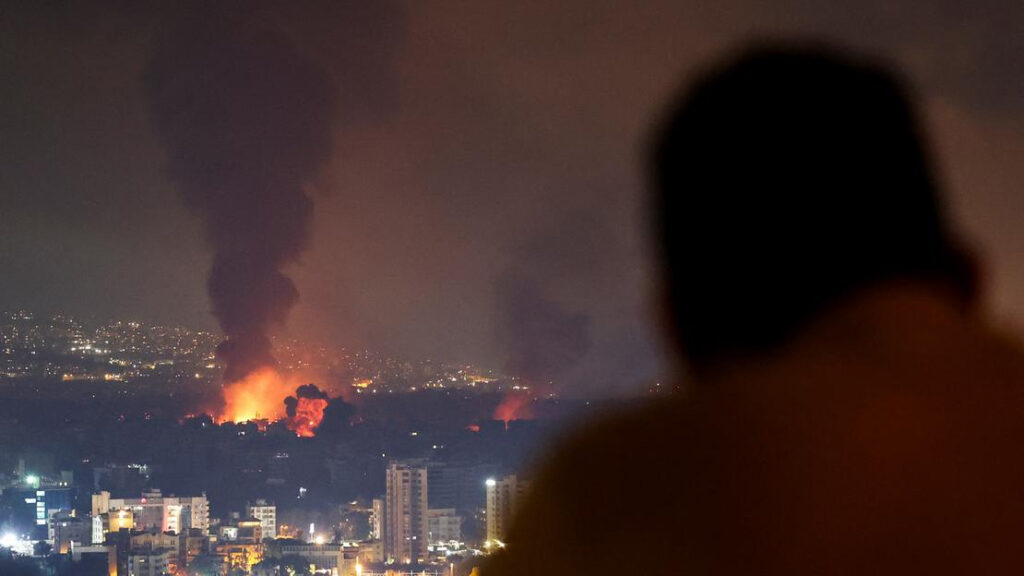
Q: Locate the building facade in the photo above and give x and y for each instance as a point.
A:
(405, 512)
(459, 486)
(377, 519)
(444, 526)
(33, 505)
(154, 511)
(66, 531)
(266, 513)
(149, 562)
(503, 496)
(161, 545)
(331, 557)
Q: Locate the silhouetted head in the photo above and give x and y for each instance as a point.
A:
(786, 181)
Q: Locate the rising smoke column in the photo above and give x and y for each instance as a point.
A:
(246, 123)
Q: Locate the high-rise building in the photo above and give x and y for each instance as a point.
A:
(405, 512)
(443, 482)
(503, 496)
(458, 485)
(266, 513)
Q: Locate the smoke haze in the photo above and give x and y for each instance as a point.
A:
(462, 130)
(544, 339)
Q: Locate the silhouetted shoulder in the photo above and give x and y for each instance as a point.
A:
(880, 442)
(593, 493)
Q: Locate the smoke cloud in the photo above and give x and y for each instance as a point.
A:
(337, 417)
(543, 339)
(246, 122)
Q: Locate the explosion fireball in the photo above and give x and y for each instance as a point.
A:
(308, 414)
(306, 410)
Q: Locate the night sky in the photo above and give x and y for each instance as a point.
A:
(482, 198)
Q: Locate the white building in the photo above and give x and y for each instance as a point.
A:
(377, 519)
(267, 515)
(154, 511)
(99, 531)
(405, 512)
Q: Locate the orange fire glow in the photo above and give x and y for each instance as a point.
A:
(260, 395)
(308, 414)
(513, 407)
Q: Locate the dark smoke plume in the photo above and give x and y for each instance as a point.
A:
(543, 339)
(246, 122)
(337, 418)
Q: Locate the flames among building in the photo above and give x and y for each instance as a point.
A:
(257, 396)
(267, 395)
